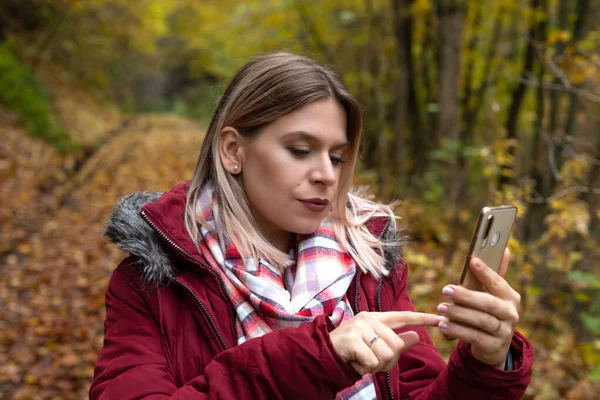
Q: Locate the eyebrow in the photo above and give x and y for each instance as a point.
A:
(311, 138)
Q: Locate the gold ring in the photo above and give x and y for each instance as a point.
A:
(373, 340)
(498, 328)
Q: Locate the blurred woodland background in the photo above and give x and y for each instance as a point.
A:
(467, 103)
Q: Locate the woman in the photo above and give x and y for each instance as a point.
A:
(264, 278)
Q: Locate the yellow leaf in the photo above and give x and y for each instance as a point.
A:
(558, 35)
(25, 248)
(589, 354)
(582, 297)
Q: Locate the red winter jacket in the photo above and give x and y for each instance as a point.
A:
(169, 330)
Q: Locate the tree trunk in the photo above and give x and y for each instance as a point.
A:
(591, 197)
(400, 126)
(473, 102)
(451, 16)
(418, 142)
(517, 96)
(378, 71)
(365, 62)
(427, 71)
(554, 154)
(402, 32)
(469, 83)
(451, 19)
(582, 11)
(382, 151)
(533, 222)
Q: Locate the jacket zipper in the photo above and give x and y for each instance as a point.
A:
(356, 283)
(388, 375)
(205, 311)
(189, 290)
(385, 228)
(357, 279)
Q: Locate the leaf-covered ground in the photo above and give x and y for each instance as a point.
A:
(56, 263)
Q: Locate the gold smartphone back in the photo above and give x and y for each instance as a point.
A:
(488, 242)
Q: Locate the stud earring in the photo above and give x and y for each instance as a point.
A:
(235, 167)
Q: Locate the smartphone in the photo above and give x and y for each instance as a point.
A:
(488, 242)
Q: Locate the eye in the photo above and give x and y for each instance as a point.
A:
(300, 153)
(335, 160)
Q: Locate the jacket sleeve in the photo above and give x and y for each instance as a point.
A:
(424, 375)
(287, 364)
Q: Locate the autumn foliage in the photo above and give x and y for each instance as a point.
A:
(105, 98)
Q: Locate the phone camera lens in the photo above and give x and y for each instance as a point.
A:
(495, 238)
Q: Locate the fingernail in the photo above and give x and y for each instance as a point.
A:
(443, 325)
(448, 291)
(443, 309)
(478, 264)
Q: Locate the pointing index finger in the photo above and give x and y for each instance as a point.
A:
(400, 319)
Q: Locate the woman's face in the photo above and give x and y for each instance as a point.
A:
(291, 170)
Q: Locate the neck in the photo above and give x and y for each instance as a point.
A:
(283, 241)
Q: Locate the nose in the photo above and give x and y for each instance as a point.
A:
(324, 172)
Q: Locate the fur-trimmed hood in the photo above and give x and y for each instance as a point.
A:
(129, 227)
(126, 229)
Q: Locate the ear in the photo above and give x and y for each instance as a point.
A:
(230, 149)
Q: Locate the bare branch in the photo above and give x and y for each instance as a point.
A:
(571, 190)
(565, 192)
(552, 157)
(559, 72)
(566, 86)
(560, 88)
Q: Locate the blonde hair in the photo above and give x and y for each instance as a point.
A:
(265, 89)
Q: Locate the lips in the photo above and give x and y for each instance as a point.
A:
(316, 204)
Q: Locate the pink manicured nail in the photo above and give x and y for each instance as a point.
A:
(443, 325)
(448, 291)
(443, 309)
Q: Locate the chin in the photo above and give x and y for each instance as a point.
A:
(306, 228)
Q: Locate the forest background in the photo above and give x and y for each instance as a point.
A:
(466, 104)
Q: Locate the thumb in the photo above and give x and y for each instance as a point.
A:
(504, 264)
(410, 339)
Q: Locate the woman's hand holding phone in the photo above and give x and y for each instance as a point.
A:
(485, 320)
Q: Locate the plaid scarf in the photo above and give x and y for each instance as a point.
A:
(266, 300)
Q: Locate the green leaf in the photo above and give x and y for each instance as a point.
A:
(578, 276)
(591, 322)
(575, 256)
(433, 108)
(347, 17)
(595, 374)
